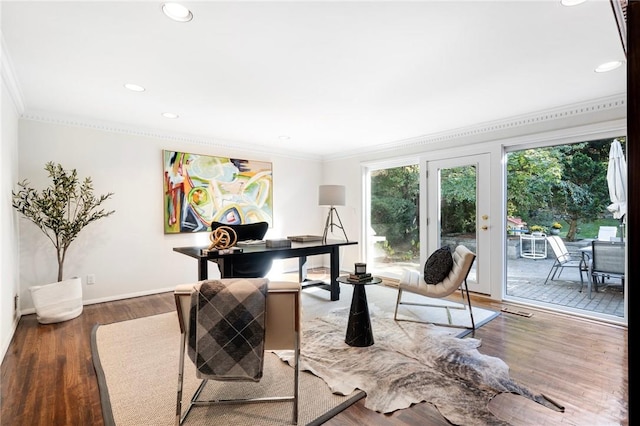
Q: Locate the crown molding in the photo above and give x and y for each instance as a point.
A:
(88, 123)
(9, 79)
(486, 131)
(516, 125)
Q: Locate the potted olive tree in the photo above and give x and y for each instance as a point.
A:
(61, 211)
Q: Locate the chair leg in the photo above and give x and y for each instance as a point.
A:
(466, 289)
(554, 267)
(462, 306)
(183, 339)
(395, 314)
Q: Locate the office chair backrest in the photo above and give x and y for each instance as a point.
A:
(608, 256)
(246, 231)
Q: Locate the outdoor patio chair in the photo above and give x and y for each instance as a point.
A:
(413, 281)
(606, 233)
(564, 259)
(607, 261)
(281, 332)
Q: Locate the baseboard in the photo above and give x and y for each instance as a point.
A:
(112, 298)
(9, 338)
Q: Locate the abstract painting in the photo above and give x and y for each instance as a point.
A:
(201, 189)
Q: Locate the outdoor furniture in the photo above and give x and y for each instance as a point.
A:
(607, 260)
(413, 282)
(564, 259)
(606, 233)
(533, 246)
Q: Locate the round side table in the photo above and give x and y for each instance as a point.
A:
(359, 332)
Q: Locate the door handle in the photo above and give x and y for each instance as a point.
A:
(484, 227)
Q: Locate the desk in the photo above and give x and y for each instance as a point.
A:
(299, 250)
(359, 331)
(537, 247)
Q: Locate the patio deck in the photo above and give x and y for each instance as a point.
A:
(525, 279)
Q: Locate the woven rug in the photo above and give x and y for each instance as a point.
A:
(137, 367)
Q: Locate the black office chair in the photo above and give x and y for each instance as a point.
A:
(248, 268)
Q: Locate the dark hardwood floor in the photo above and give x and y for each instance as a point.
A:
(48, 377)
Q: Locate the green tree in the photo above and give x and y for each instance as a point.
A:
(394, 205)
(582, 193)
(531, 177)
(61, 210)
(458, 204)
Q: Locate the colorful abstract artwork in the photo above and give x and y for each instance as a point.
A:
(201, 189)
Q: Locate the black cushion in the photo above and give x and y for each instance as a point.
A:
(438, 265)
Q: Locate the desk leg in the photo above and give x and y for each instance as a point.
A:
(359, 331)
(335, 271)
(203, 269)
(302, 268)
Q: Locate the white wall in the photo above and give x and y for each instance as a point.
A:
(128, 251)
(8, 219)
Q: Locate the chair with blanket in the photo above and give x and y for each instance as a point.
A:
(209, 310)
(444, 273)
(246, 268)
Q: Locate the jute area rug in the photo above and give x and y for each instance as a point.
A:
(137, 367)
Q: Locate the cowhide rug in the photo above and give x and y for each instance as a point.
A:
(409, 363)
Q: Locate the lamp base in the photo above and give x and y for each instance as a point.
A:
(331, 223)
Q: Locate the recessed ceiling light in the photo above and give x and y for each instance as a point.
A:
(177, 12)
(171, 115)
(134, 87)
(284, 138)
(608, 66)
(571, 2)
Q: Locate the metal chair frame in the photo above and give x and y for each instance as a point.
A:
(563, 260)
(607, 261)
(458, 285)
(180, 295)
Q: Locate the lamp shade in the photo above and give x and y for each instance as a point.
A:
(331, 195)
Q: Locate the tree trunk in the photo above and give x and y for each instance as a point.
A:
(573, 230)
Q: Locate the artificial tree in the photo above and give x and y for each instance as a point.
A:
(61, 210)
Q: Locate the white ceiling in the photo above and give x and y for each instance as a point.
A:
(332, 76)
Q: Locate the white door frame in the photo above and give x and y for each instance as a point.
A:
(430, 222)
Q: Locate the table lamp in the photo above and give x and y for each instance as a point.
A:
(332, 195)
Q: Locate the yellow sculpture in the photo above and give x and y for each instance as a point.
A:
(222, 238)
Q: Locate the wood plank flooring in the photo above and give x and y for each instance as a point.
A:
(48, 378)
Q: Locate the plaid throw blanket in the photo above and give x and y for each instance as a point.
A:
(226, 329)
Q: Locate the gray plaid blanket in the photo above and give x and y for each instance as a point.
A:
(226, 329)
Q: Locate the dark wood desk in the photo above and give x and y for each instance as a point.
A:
(299, 250)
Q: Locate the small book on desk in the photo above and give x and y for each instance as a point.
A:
(305, 238)
(279, 242)
(250, 242)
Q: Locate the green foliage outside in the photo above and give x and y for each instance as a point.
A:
(394, 210)
(566, 184)
(61, 210)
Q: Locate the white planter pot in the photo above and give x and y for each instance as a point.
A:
(57, 302)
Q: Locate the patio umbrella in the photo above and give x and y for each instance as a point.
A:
(617, 180)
